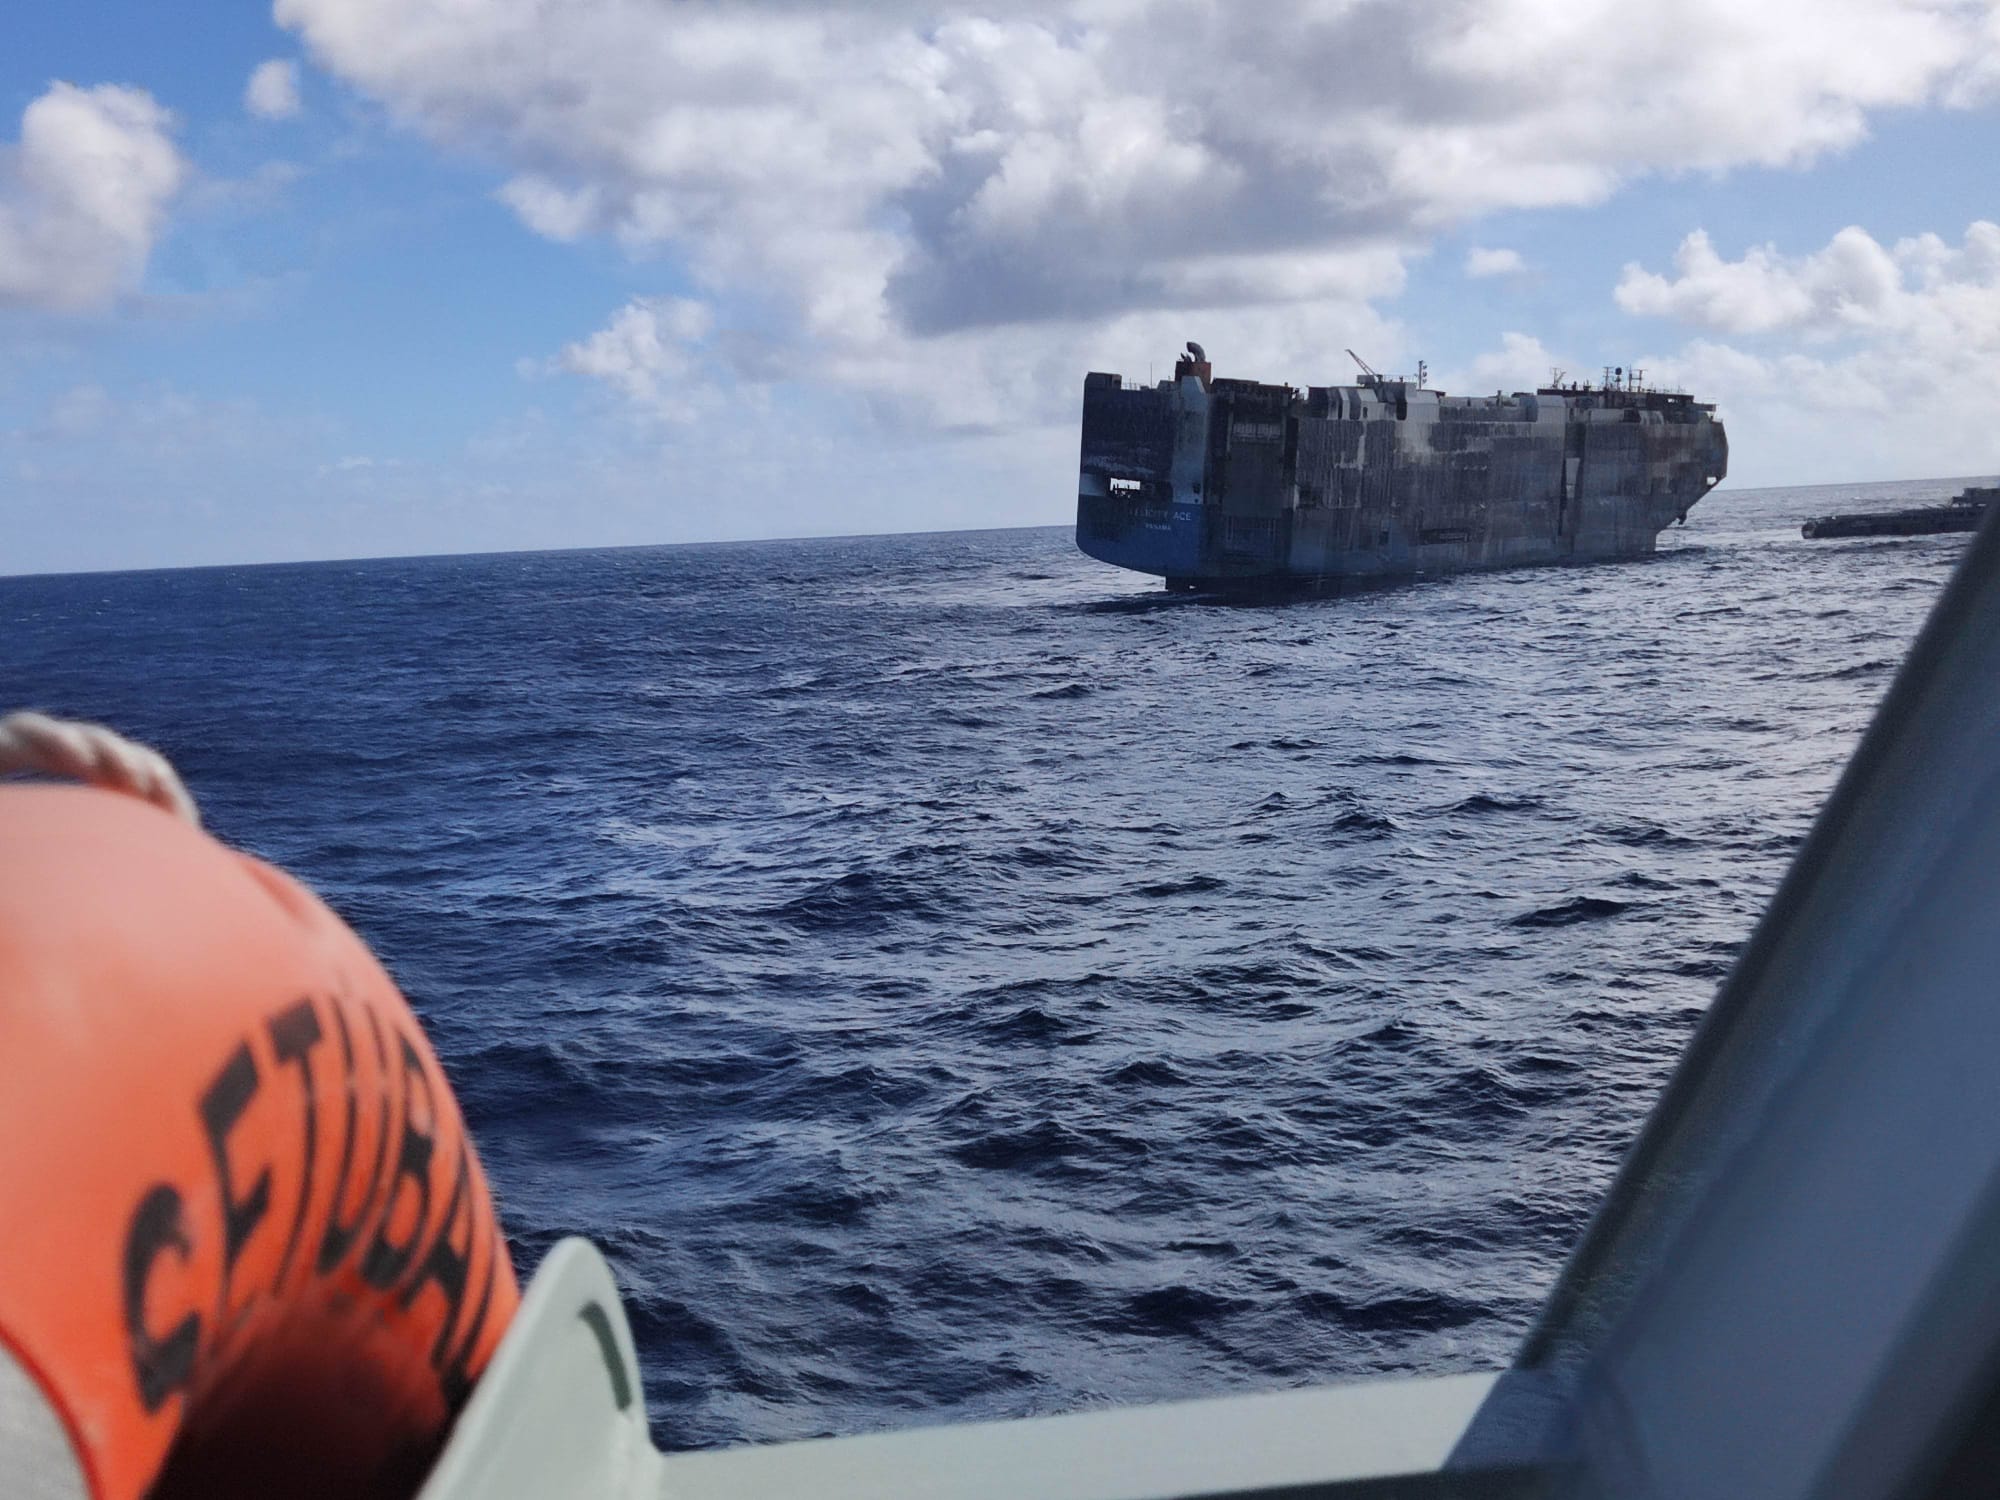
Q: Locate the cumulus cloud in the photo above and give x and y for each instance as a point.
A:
(1480, 261)
(84, 195)
(273, 90)
(1854, 284)
(881, 184)
(1923, 294)
(1868, 357)
(651, 352)
(1521, 363)
(1849, 279)
(551, 211)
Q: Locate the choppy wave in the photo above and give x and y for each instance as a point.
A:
(953, 979)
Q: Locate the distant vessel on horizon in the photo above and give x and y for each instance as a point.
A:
(1963, 512)
(1232, 484)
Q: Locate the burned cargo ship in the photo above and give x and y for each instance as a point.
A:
(1233, 484)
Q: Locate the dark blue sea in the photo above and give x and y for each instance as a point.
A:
(950, 979)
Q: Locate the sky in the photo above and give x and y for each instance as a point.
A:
(346, 278)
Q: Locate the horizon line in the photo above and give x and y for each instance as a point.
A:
(753, 541)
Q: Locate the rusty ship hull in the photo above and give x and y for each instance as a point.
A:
(1229, 485)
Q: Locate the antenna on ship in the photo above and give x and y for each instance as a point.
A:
(1423, 374)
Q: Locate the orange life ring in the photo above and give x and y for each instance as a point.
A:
(245, 1244)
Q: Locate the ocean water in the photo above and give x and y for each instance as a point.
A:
(951, 979)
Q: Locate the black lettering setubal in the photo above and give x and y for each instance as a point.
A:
(160, 1364)
(384, 1262)
(222, 1105)
(338, 1237)
(445, 1263)
(295, 1031)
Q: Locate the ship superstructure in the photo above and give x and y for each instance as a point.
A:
(1214, 483)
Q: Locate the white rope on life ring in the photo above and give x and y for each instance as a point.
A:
(90, 753)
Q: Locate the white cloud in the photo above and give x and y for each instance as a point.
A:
(888, 190)
(1480, 261)
(1918, 287)
(1521, 363)
(652, 353)
(550, 210)
(84, 196)
(273, 90)
(1979, 82)
(1848, 283)
(1868, 359)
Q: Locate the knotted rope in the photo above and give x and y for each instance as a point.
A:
(90, 753)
